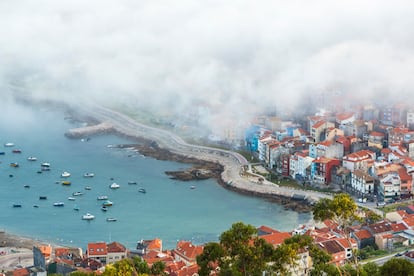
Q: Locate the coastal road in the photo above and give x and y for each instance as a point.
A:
(232, 161)
(21, 258)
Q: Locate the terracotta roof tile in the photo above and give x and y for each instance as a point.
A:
(98, 248)
(396, 227)
(363, 234)
(276, 238)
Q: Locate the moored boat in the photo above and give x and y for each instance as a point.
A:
(14, 164)
(17, 151)
(114, 186)
(142, 190)
(77, 193)
(107, 203)
(102, 197)
(31, 158)
(132, 182)
(111, 219)
(88, 188)
(59, 204)
(42, 197)
(71, 198)
(17, 205)
(65, 174)
(66, 183)
(35, 206)
(9, 144)
(89, 175)
(45, 164)
(88, 216)
(104, 208)
(26, 186)
(2, 153)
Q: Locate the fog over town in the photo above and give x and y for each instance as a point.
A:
(215, 59)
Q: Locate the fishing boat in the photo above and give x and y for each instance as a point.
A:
(102, 197)
(88, 175)
(111, 219)
(31, 158)
(58, 204)
(88, 216)
(66, 183)
(114, 186)
(65, 174)
(77, 193)
(9, 144)
(142, 190)
(14, 164)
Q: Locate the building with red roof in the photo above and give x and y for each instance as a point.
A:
(97, 251)
(187, 252)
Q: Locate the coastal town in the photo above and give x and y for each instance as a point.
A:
(367, 154)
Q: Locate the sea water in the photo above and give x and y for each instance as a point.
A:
(170, 210)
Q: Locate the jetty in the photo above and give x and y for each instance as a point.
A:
(104, 127)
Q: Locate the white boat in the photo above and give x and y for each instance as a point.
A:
(114, 186)
(77, 193)
(111, 219)
(45, 165)
(88, 216)
(102, 197)
(88, 188)
(31, 158)
(89, 175)
(107, 203)
(58, 204)
(71, 198)
(65, 174)
(142, 190)
(9, 144)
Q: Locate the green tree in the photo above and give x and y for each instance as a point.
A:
(397, 267)
(140, 265)
(341, 209)
(371, 269)
(213, 253)
(158, 268)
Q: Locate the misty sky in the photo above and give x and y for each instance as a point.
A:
(233, 58)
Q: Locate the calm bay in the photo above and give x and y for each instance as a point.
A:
(170, 210)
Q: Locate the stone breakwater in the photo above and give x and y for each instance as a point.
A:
(86, 131)
(233, 163)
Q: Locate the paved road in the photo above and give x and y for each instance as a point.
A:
(22, 258)
(232, 161)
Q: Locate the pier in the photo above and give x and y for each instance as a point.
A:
(80, 132)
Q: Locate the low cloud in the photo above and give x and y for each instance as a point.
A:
(207, 58)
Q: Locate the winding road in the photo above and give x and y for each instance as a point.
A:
(232, 161)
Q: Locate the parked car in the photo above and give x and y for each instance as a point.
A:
(381, 203)
(362, 200)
